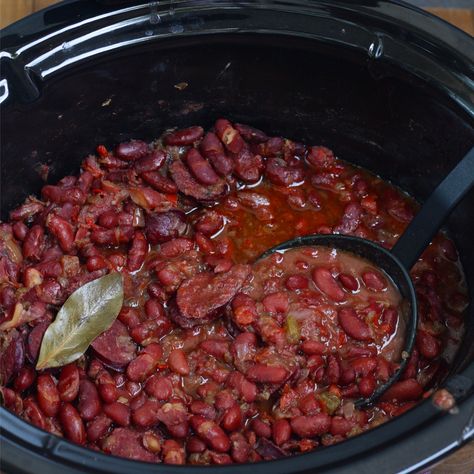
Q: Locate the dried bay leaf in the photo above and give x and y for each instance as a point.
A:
(85, 315)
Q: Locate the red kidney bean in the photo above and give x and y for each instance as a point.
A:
(374, 281)
(309, 426)
(26, 211)
(159, 182)
(246, 389)
(98, 427)
(151, 162)
(141, 367)
(112, 163)
(229, 136)
(24, 380)
(209, 223)
(296, 282)
(321, 157)
(261, 428)
(185, 136)
(34, 340)
(72, 424)
(403, 391)
(210, 433)
(177, 362)
(220, 458)
(350, 219)
(276, 302)
(132, 150)
(333, 369)
(106, 387)
(150, 331)
(195, 445)
(309, 405)
(279, 173)
(63, 231)
(164, 226)
(273, 147)
(62, 195)
(251, 134)
(367, 385)
(200, 168)
(179, 431)
(428, 345)
(340, 426)
(348, 282)
(116, 236)
(33, 413)
(232, 419)
(247, 166)
(89, 403)
(313, 347)
(146, 415)
(353, 326)
(281, 431)
(348, 376)
(199, 407)
(20, 230)
(173, 452)
(240, 448)
(222, 164)
(137, 253)
(267, 374)
(118, 413)
(68, 383)
(11, 400)
(224, 400)
(216, 347)
(364, 365)
(152, 442)
(154, 309)
(206, 245)
(109, 219)
(211, 146)
(327, 284)
(47, 395)
(129, 316)
(33, 245)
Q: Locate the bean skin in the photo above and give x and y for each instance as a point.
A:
(185, 136)
(200, 168)
(210, 433)
(47, 394)
(68, 383)
(72, 424)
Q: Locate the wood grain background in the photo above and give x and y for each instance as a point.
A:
(462, 462)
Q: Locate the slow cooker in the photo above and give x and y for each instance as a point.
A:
(387, 86)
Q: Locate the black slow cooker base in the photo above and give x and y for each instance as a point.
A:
(372, 112)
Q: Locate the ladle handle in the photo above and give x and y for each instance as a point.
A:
(434, 212)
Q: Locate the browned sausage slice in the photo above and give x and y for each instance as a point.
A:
(200, 296)
(115, 346)
(127, 443)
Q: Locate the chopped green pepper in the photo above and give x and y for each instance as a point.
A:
(292, 330)
(330, 401)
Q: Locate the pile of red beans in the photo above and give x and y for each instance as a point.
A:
(213, 360)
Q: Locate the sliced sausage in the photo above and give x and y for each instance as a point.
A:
(115, 347)
(127, 443)
(202, 295)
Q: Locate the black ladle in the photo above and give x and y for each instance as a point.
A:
(400, 259)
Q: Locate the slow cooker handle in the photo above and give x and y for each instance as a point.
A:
(435, 211)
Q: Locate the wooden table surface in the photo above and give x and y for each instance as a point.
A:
(461, 462)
